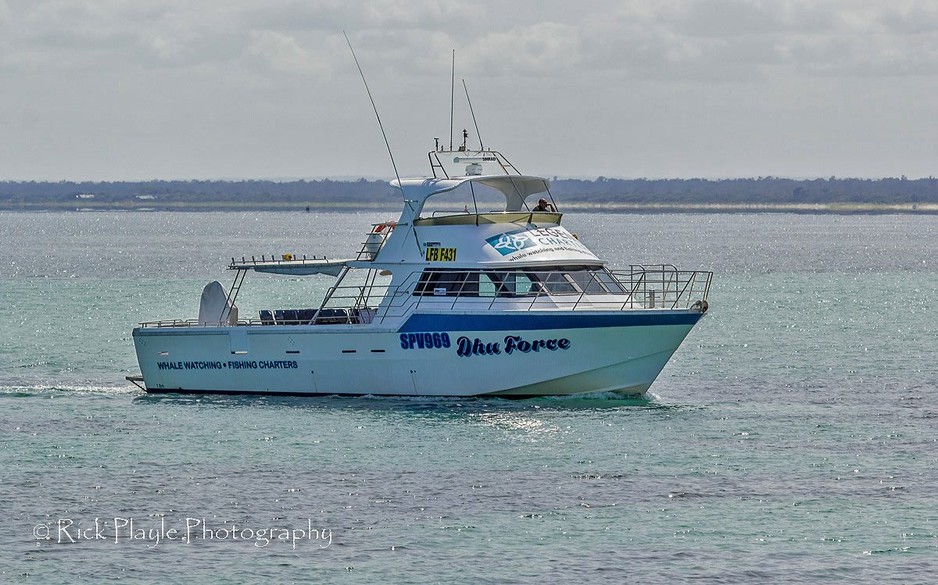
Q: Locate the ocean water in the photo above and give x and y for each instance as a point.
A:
(793, 438)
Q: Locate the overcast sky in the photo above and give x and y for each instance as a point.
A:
(162, 89)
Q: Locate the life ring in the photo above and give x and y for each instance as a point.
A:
(380, 227)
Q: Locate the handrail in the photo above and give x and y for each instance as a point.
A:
(659, 287)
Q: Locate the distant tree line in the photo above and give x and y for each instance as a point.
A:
(202, 194)
(757, 190)
(319, 191)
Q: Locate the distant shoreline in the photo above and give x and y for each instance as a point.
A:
(806, 208)
(747, 195)
(607, 207)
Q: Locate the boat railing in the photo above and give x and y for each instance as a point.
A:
(375, 240)
(172, 323)
(321, 316)
(479, 161)
(664, 286)
(641, 287)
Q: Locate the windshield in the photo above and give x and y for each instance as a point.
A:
(563, 280)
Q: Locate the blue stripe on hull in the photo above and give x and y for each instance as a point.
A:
(545, 320)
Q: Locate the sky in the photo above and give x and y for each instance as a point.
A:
(237, 89)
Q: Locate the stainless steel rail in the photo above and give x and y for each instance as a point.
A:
(642, 287)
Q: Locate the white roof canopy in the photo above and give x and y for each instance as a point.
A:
(515, 188)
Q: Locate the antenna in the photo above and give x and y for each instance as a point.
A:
(478, 134)
(452, 100)
(380, 125)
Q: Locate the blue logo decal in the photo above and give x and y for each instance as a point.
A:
(466, 347)
(510, 242)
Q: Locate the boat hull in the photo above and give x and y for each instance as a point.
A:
(428, 355)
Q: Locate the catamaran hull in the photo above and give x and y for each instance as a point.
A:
(429, 355)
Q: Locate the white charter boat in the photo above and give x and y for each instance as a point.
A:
(441, 303)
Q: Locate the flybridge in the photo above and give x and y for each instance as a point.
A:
(479, 171)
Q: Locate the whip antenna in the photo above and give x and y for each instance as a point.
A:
(452, 94)
(380, 125)
(481, 146)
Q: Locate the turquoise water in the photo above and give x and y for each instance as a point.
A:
(791, 439)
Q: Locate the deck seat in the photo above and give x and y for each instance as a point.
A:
(332, 317)
(305, 316)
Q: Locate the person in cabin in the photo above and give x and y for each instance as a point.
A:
(544, 205)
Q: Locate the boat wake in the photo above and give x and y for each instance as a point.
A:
(415, 404)
(16, 391)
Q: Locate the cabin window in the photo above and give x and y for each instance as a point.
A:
(515, 284)
(447, 283)
(490, 285)
(609, 282)
(564, 280)
(553, 282)
(592, 281)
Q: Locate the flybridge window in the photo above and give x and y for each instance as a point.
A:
(563, 280)
(464, 199)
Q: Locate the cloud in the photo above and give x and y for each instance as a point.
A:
(373, 17)
(283, 54)
(696, 68)
(726, 40)
(538, 49)
(872, 40)
(164, 48)
(747, 40)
